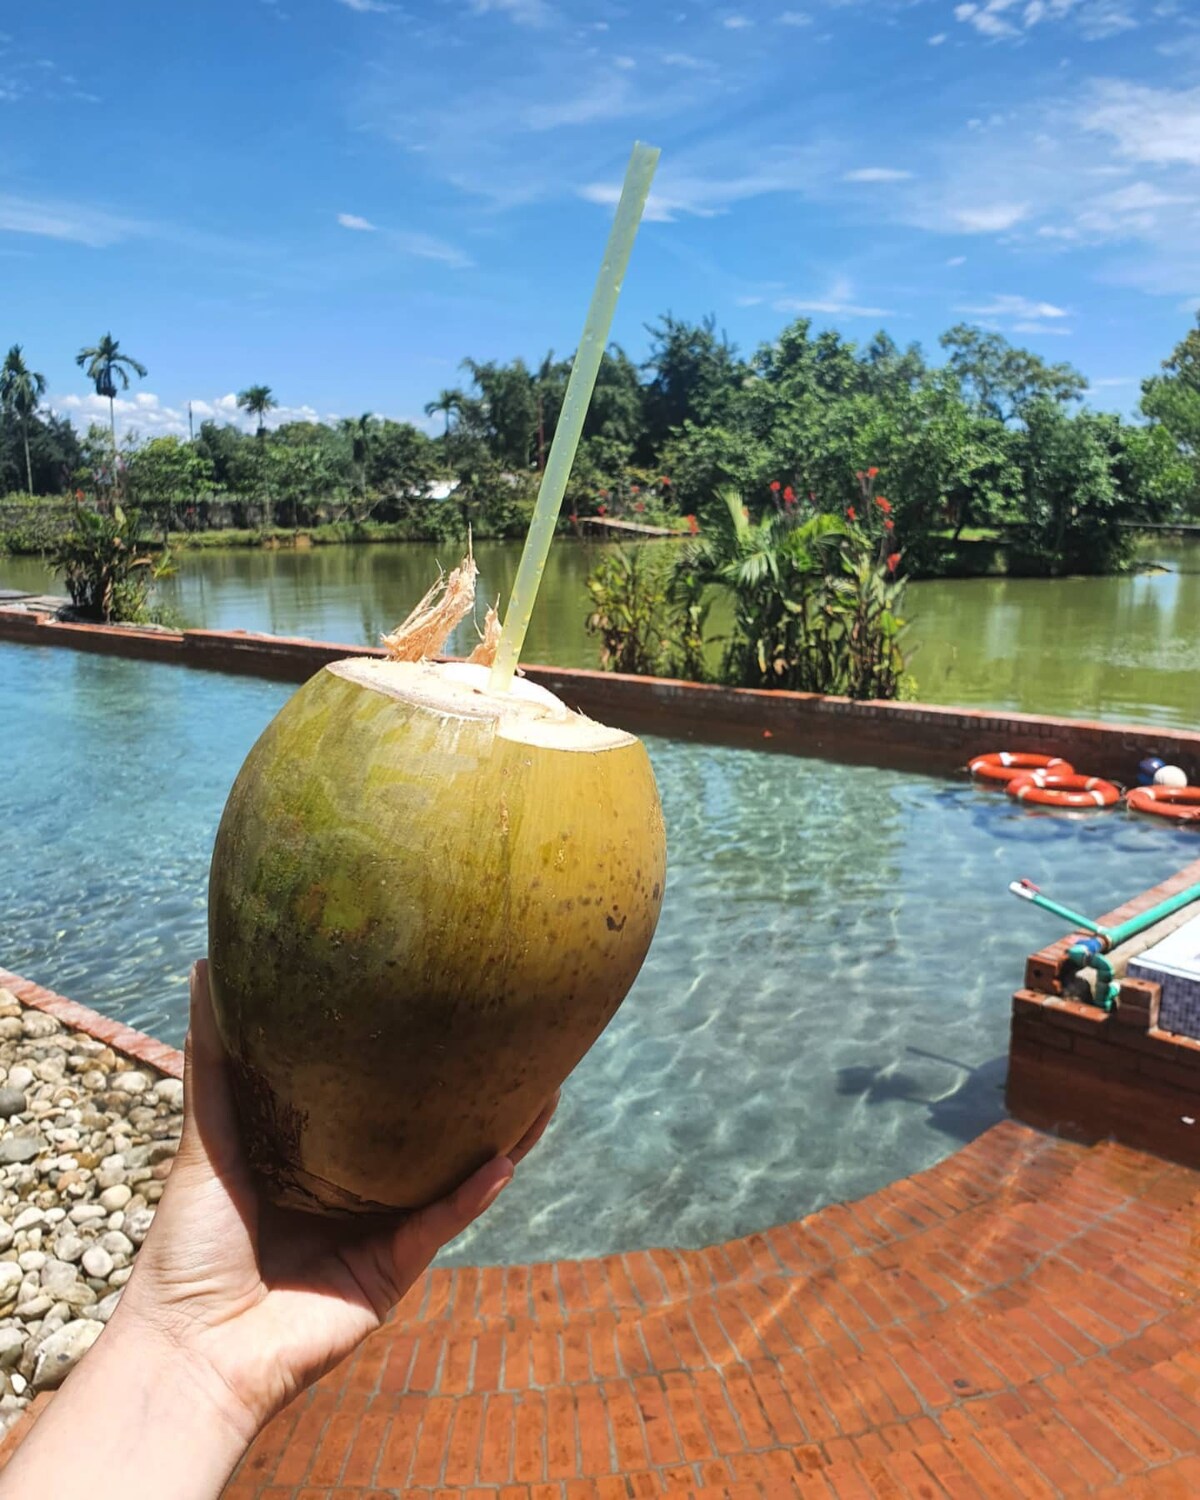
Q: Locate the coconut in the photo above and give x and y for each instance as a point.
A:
(427, 900)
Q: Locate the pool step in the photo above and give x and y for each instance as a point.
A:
(1018, 1321)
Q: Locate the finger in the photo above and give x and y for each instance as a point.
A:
(424, 1233)
(535, 1132)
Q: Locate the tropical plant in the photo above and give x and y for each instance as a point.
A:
(256, 401)
(104, 365)
(21, 391)
(107, 571)
(360, 431)
(448, 403)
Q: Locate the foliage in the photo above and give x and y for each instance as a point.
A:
(1082, 478)
(1172, 403)
(649, 613)
(1002, 381)
(256, 401)
(165, 473)
(21, 391)
(106, 568)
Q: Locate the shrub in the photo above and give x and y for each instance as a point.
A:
(107, 572)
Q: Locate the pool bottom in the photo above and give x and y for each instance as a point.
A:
(825, 1007)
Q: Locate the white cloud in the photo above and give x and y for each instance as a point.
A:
(1104, 382)
(429, 247)
(876, 174)
(1005, 20)
(705, 188)
(56, 220)
(686, 60)
(1155, 125)
(991, 218)
(795, 18)
(957, 260)
(522, 12)
(364, 6)
(355, 221)
(1034, 325)
(624, 62)
(837, 301)
(148, 415)
(938, 39)
(737, 23)
(1008, 306)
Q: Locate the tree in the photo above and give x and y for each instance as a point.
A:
(1003, 380)
(105, 365)
(256, 401)
(693, 373)
(1172, 402)
(21, 390)
(166, 470)
(360, 431)
(448, 403)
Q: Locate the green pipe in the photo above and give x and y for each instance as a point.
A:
(1109, 936)
(1089, 952)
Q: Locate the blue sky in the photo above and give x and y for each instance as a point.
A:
(342, 198)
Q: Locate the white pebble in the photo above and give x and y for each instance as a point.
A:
(20, 1077)
(117, 1244)
(11, 1276)
(29, 1218)
(169, 1091)
(32, 1260)
(86, 1213)
(131, 1083)
(98, 1262)
(115, 1197)
(68, 1247)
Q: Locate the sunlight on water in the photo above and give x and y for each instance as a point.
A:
(825, 1006)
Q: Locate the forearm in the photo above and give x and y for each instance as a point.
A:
(136, 1417)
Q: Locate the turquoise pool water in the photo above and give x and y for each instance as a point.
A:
(825, 1006)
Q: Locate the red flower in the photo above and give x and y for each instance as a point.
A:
(790, 495)
(604, 494)
(639, 506)
(893, 561)
(634, 489)
(889, 525)
(884, 505)
(602, 510)
(851, 513)
(871, 473)
(574, 519)
(775, 486)
(692, 524)
(665, 479)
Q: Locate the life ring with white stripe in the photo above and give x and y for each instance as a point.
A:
(1002, 765)
(1054, 789)
(1182, 802)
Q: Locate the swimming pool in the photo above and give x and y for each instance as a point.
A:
(825, 1006)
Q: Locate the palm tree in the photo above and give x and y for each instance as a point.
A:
(360, 431)
(105, 365)
(447, 402)
(21, 389)
(257, 401)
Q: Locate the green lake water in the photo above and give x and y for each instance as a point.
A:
(1125, 648)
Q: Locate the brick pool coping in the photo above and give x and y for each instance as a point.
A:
(907, 736)
(1019, 1320)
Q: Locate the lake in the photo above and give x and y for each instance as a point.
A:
(1123, 648)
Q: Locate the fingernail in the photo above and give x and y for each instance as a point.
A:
(495, 1192)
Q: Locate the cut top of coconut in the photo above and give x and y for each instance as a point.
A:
(527, 713)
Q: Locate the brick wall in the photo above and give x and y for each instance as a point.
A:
(907, 736)
(1092, 1075)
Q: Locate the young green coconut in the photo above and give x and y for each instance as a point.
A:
(427, 900)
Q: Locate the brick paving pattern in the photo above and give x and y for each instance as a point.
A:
(1020, 1321)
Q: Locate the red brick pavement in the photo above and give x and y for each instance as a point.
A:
(1019, 1321)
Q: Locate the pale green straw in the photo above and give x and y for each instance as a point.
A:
(584, 369)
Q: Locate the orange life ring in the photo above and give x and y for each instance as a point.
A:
(1056, 789)
(1181, 802)
(1001, 766)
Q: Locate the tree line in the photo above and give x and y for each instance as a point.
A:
(987, 446)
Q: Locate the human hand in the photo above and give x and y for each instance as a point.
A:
(261, 1301)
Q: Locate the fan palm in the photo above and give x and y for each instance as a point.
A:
(256, 401)
(448, 402)
(105, 365)
(21, 389)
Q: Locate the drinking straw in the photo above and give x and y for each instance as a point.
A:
(584, 369)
